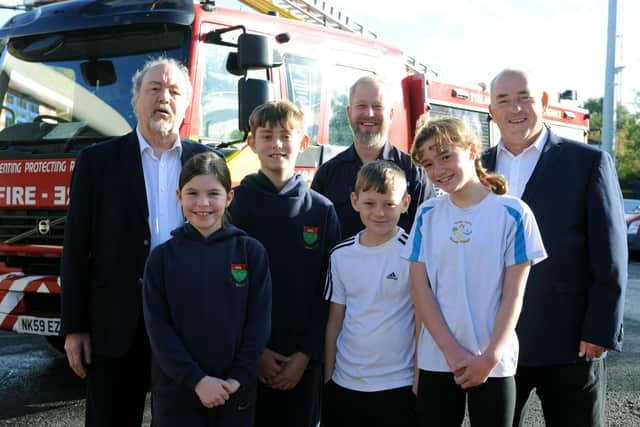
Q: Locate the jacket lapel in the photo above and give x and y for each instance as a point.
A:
(543, 171)
(135, 176)
(489, 159)
(187, 151)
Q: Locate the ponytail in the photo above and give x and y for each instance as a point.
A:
(494, 182)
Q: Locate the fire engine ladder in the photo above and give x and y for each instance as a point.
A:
(321, 12)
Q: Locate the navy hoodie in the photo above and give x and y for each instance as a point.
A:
(298, 227)
(207, 305)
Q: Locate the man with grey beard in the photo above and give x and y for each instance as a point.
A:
(123, 204)
(369, 111)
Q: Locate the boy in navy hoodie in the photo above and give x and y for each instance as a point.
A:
(298, 227)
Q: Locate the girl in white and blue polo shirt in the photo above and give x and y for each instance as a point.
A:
(470, 252)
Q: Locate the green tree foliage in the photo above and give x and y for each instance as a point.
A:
(627, 139)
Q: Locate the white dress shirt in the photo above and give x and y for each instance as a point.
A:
(161, 181)
(518, 169)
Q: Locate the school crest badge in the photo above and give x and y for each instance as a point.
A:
(310, 235)
(239, 272)
(461, 232)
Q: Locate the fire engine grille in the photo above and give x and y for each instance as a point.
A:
(39, 227)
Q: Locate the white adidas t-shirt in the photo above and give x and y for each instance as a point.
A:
(376, 345)
(466, 252)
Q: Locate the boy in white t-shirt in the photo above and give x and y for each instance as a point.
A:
(470, 252)
(370, 335)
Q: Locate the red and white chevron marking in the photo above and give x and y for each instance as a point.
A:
(13, 286)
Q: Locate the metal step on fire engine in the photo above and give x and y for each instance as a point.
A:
(321, 12)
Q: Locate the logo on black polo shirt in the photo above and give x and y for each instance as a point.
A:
(310, 236)
(239, 272)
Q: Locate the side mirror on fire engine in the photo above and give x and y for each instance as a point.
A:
(98, 73)
(232, 64)
(251, 93)
(257, 52)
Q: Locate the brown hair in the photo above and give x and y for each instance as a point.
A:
(281, 112)
(207, 163)
(451, 130)
(382, 176)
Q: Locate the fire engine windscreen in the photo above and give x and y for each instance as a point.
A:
(76, 87)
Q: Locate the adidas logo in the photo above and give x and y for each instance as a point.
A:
(392, 276)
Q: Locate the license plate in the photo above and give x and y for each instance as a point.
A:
(37, 325)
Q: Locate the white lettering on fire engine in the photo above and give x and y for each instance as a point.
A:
(47, 166)
(60, 195)
(10, 168)
(18, 196)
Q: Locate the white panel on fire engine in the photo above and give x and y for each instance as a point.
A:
(476, 120)
(569, 132)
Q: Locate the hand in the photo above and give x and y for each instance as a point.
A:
(590, 351)
(213, 391)
(78, 349)
(475, 370)
(270, 366)
(455, 356)
(291, 372)
(233, 385)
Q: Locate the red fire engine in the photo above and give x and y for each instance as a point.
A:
(65, 77)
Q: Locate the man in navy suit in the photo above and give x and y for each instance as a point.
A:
(573, 304)
(122, 205)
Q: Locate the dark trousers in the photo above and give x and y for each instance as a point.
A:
(342, 407)
(441, 402)
(297, 407)
(117, 386)
(571, 395)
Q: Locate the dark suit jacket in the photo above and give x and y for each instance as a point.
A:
(578, 292)
(106, 243)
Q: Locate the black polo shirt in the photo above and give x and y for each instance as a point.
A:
(336, 178)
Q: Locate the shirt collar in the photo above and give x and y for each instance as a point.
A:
(538, 144)
(387, 152)
(144, 145)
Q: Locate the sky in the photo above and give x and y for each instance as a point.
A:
(563, 42)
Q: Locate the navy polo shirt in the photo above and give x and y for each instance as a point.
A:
(336, 178)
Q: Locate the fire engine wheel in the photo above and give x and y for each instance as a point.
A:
(57, 342)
